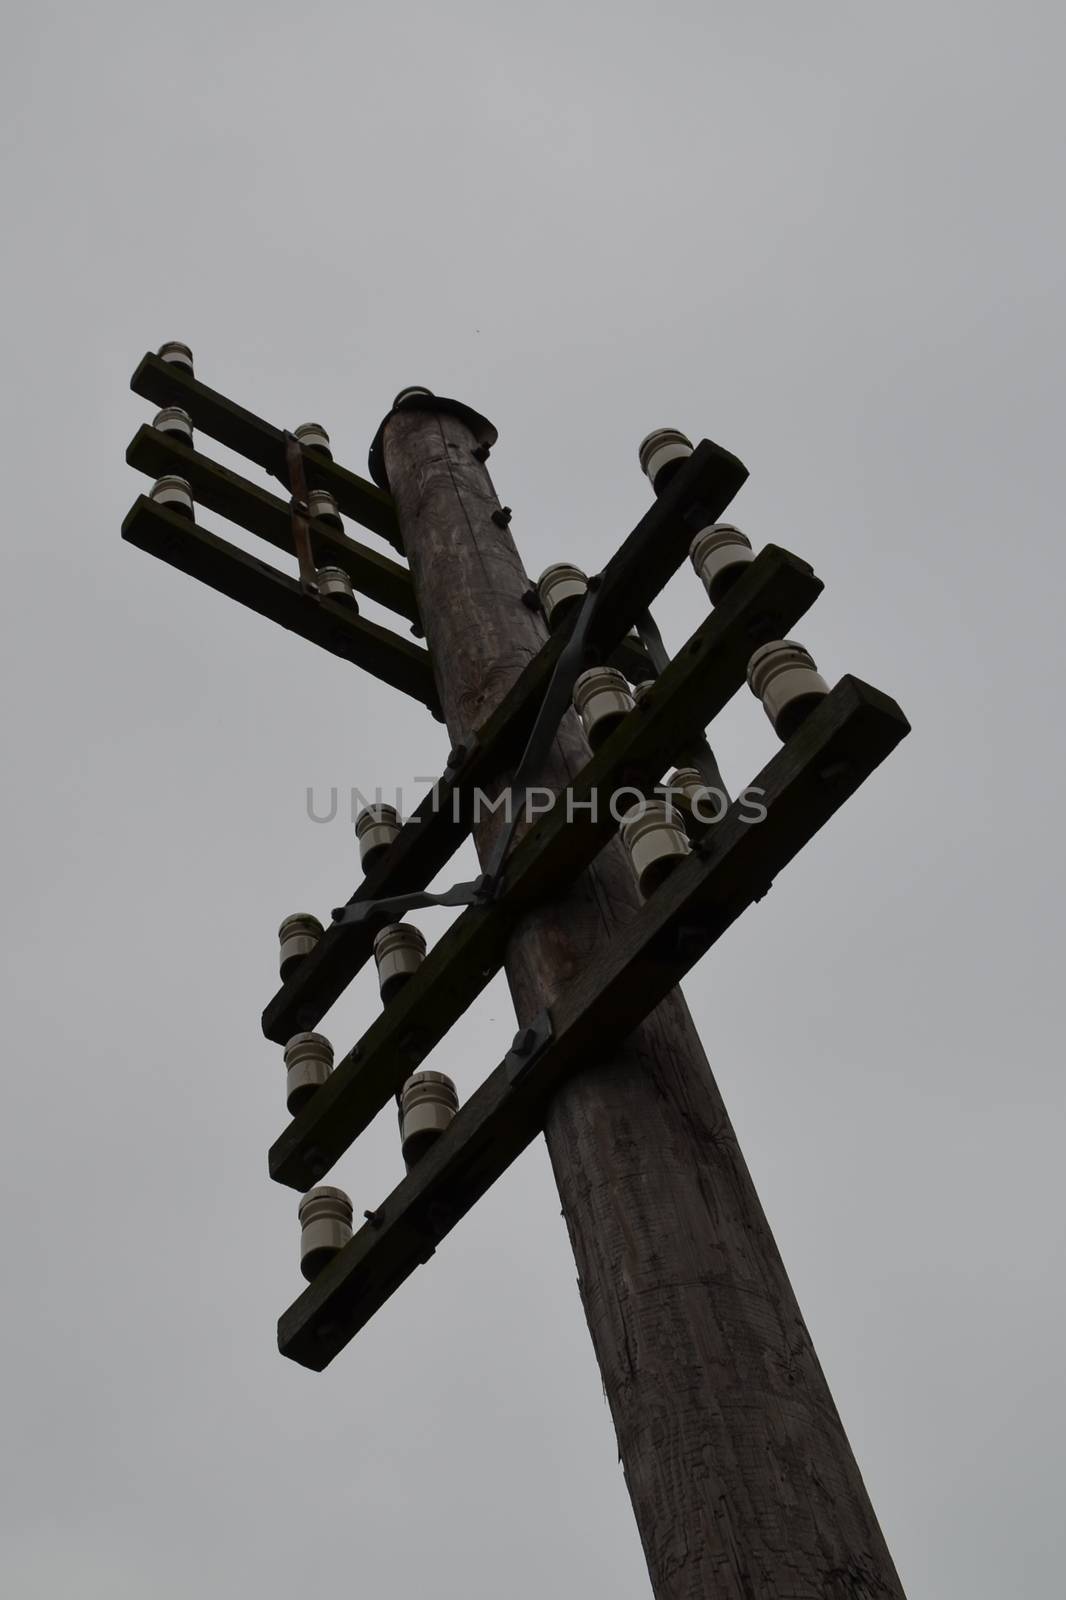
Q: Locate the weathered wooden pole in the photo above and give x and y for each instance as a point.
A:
(742, 1480)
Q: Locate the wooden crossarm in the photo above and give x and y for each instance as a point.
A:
(834, 751)
(181, 543)
(268, 516)
(167, 384)
(632, 579)
(697, 684)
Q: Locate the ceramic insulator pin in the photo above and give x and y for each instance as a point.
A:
(693, 797)
(308, 1063)
(325, 1227)
(175, 423)
(562, 589)
(375, 828)
(335, 584)
(297, 936)
(720, 555)
(399, 951)
(174, 493)
(323, 505)
(662, 453)
(313, 436)
(601, 699)
(656, 842)
(178, 354)
(783, 676)
(428, 1104)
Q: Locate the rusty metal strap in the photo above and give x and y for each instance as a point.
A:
(300, 512)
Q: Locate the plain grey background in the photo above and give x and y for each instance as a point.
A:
(828, 236)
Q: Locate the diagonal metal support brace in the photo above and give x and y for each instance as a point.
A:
(552, 710)
(301, 512)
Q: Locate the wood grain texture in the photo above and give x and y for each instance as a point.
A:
(742, 1480)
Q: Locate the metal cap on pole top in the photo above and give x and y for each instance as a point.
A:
(418, 398)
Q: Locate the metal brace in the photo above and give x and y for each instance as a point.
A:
(529, 1044)
(477, 891)
(546, 725)
(300, 512)
(556, 699)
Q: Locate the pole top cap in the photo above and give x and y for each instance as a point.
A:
(416, 397)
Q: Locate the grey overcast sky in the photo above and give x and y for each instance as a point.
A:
(829, 236)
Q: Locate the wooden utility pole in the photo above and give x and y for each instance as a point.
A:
(742, 1480)
(741, 1477)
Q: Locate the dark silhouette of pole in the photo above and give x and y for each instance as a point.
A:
(743, 1482)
